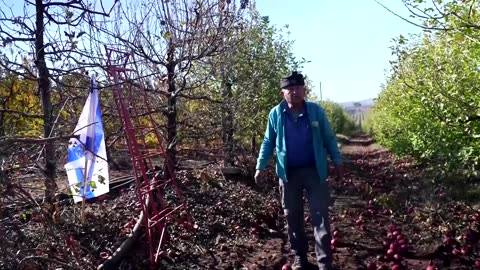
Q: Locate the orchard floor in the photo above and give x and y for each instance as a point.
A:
(241, 226)
(378, 190)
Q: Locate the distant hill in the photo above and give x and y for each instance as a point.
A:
(358, 109)
(364, 103)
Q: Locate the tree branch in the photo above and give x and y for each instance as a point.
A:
(81, 6)
(199, 98)
(410, 22)
(11, 140)
(469, 119)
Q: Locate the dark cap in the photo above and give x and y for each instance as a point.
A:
(294, 79)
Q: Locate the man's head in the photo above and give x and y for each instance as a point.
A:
(293, 88)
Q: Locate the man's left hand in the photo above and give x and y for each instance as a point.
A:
(339, 171)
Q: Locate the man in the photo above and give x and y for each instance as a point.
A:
(302, 137)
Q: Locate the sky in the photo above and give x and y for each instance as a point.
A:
(347, 42)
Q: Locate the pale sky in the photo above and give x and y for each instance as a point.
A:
(347, 41)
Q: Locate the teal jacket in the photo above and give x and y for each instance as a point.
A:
(324, 140)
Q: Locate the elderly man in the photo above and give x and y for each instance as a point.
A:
(301, 135)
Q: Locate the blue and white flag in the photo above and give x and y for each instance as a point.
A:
(88, 153)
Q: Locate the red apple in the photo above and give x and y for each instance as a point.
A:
(334, 242)
(390, 252)
(371, 266)
(430, 266)
(402, 242)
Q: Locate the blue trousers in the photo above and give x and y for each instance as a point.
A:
(306, 180)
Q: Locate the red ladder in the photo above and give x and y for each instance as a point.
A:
(140, 121)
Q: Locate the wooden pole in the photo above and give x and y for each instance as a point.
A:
(85, 176)
(321, 99)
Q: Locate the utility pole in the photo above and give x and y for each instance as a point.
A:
(321, 91)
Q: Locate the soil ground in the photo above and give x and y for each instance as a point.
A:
(240, 226)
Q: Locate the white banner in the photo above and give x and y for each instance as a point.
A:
(88, 152)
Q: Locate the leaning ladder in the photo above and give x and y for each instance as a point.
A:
(158, 194)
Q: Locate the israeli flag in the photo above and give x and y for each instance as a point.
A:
(88, 153)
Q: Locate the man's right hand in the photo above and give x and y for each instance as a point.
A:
(259, 175)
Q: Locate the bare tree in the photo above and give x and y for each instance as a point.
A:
(169, 39)
(43, 39)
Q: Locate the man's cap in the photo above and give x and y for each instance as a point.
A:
(294, 79)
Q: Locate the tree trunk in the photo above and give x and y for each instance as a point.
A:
(172, 127)
(227, 125)
(171, 111)
(254, 145)
(2, 124)
(44, 89)
(2, 117)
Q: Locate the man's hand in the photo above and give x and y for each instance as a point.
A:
(259, 175)
(339, 171)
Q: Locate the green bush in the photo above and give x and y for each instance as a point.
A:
(429, 107)
(341, 121)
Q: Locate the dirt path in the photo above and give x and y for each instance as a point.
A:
(362, 223)
(358, 212)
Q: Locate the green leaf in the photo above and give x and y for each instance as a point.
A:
(92, 184)
(425, 111)
(101, 179)
(167, 35)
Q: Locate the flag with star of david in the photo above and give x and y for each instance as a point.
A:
(87, 156)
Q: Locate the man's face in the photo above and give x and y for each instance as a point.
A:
(294, 94)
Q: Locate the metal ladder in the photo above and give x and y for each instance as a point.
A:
(140, 121)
